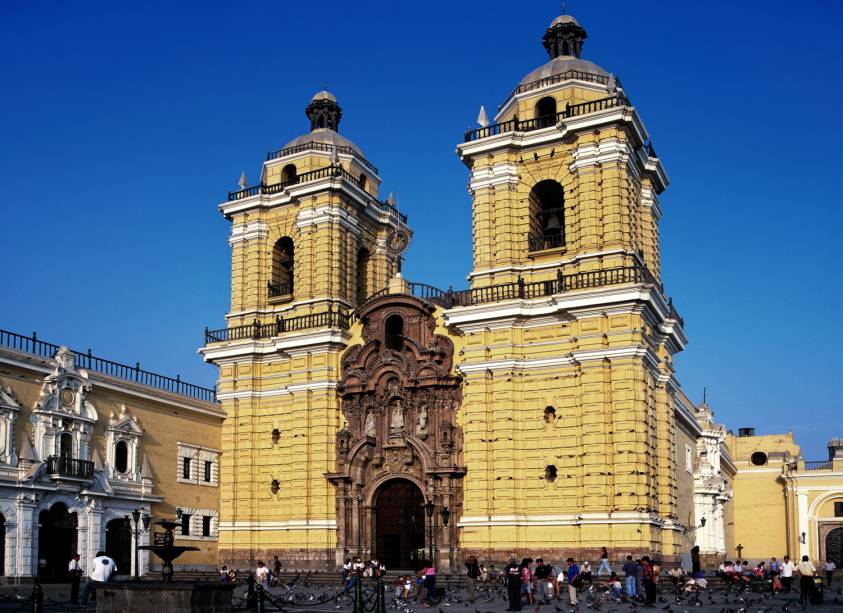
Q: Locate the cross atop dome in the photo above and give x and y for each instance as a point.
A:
(324, 111)
(564, 37)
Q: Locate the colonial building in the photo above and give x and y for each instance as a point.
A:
(537, 411)
(785, 505)
(85, 442)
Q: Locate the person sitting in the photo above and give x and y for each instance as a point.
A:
(615, 586)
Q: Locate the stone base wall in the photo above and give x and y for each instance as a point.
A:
(291, 559)
(557, 557)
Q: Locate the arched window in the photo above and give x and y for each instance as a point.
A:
(66, 445)
(121, 456)
(288, 174)
(282, 268)
(276, 436)
(394, 332)
(550, 472)
(549, 414)
(547, 216)
(363, 181)
(320, 122)
(363, 273)
(546, 112)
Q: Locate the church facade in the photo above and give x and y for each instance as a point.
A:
(536, 412)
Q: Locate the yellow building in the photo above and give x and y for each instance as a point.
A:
(783, 504)
(84, 442)
(536, 412)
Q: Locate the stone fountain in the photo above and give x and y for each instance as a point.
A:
(166, 596)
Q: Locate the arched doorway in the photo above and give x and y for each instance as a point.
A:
(56, 543)
(834, 546)
(399, 524)
(118, 544)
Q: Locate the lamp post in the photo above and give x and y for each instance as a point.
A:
(445, 514)
(740, 552)
(429, 508)
(136, 532)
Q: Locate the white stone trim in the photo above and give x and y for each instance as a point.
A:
(198, 455)
(284, 391)
(607, 151)
(488, 176)
(560, 520)
(328, 213)
(294, 524)
(196, 520)
(247, 231)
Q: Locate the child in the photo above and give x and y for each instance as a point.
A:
(408, 587)
(615, 586)
(399, 588)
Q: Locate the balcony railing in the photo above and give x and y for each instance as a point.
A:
(32, 344)
(70, 467)
(317, 146)
(279, 289)
(568, 75)
(305, 177)
(546, 241)
(256, 330)
(528, 125)
(820, 465)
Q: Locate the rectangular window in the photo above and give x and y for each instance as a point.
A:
(185, 468)
(689, 459)
(206, 525)
(185, 524)
(208, 471)
(838, 509)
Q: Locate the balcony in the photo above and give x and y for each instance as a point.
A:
(528, 125)
(279, 290)
(70, 468)
(819, 465)
(257, 330)
(317, 146)
(546, 241)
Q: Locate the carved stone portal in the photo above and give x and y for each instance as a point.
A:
(399, 398)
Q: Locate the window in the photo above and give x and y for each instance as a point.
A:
(281, 283)
(363, 261)
(185, 524)
(549, 414)
(206, 525)
(689, 459)
(198, 465)
(363, 181)
(121, 456)
(550, 473)
(185, 468)
(838, 509)
(394, 332)
(208, 467)
(66, 445)
(276, 436)
(546, 112)
(547, 216)
(288, 174)
(759, 458)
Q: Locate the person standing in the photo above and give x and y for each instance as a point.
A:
(806, 572)
(262, 575)
(102, 569)
(75, 571)
(786, 569)
(472, 574)
(430, 585)
(544, 588)
(639, 578)
(574, 580)
(604, 564)
(774, 566)
(829, 568)
(649, 582)
(512, 573)
(276, 569)
(630, 569)
(527, 579)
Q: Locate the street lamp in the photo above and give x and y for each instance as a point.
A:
(136, 532)
(429, 508)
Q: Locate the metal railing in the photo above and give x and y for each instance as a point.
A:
(256, 329)
(819, 465)
(568, 75)
(34, 345)
(279, 289)
(317, 146)
(312, 175)
(546, 241)
(70, 467)
(527, 125)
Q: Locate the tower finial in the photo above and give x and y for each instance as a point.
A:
(324, 86)
(565, 8)
(704, 393)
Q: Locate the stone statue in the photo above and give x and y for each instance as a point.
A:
(396, 425)
(423, 418)
(369, 430)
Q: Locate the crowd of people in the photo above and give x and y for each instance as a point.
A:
(779, 574)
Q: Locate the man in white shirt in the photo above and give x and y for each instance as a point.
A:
(262, 575)
(74, 569)
(102, 569)
(829, 568)
(786, 568)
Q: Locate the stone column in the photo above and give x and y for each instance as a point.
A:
(26, 537)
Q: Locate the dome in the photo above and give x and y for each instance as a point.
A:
(324, 95)
(564, 19)
(325, 136)
(560, 65)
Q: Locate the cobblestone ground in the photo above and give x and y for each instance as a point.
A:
(490, 599)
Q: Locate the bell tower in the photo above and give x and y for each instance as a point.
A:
(568, 337)
(310, 242)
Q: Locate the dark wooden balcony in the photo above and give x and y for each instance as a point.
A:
(72, 468)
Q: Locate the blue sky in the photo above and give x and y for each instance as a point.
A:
(124, 124)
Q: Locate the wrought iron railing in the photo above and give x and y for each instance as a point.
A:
(70, 467)
(312, 175)
(545, 241)
(568, 75)
(279, 289)
(819, 465)
(317, 146)
(527, 125)
(256, 329)
(32, 344)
